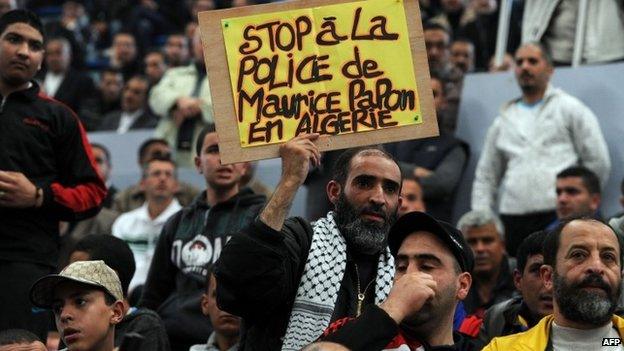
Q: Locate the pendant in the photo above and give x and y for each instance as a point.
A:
(360, 298)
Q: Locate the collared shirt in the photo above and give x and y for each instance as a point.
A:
(52, 82)
(211, 345)
(141, 233)
(127, 119)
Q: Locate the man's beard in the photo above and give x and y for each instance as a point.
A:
(589, 307)
(365, 237)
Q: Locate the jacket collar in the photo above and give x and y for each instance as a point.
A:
(541, 332)
(31, 93)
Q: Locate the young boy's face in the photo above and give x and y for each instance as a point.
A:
(83, 318)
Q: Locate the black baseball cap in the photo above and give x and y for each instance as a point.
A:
(451, 236)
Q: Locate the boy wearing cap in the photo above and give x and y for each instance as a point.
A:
(87, 302)
(433, 264)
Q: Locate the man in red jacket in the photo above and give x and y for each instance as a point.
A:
(47, 172)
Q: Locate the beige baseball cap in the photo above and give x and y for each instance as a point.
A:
(93, 273)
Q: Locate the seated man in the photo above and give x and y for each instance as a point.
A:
(617, 222)
(87, 302)
(20, 340)
(492, 274)
(133, 196)
(412, 196)
(433, 262)
(583, 266)
(141, 227)
(225, 327)
(578, 194)
(522, 312)
(134, 113)
(117, 255)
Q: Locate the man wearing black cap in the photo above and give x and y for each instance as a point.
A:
(433, 264)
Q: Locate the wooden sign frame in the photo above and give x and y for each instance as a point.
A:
(223, 98)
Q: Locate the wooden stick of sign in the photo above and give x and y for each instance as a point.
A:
(354, 71)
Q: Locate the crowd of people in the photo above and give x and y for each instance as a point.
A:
(377, 264)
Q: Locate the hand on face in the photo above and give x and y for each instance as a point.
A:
(409, 294)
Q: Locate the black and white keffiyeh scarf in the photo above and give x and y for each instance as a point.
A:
(320, 283)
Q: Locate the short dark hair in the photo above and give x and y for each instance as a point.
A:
(178, 34)
(208, 128)
(17, 336)
(589, 178)
(432, 25)
(21, 16)
(343, 163)
(110, 70)
(114, 252)
(147, 143)
(160, 158)
(553, 238)
(139, 77)
(104, 149)
(545, 54)
(531, 245)
(463, 39)
(125, 32)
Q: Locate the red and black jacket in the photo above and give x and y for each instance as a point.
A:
(44, 139)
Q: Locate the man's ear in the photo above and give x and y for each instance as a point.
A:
(517, 279)
(204, 304)
(334, 189)
(197, 162)
(464, 282)
(119, 312)
(595, 201)
(546, 273)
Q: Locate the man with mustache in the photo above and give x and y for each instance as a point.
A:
(535, 137)
(433, 264)
(521, 312)
(289, 279)
(492, 281)
(578, 194)
(583, 266)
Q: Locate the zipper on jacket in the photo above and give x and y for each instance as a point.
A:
(4, 99)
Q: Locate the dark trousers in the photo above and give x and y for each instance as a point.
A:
(518, 227)
(16, 311)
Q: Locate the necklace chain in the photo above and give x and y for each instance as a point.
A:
(361, 295)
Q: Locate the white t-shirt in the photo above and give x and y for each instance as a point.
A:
(52, 82)
(141, 233)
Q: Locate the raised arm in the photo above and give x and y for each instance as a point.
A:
(296, 156)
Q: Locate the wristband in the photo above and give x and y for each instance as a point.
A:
(38, 194)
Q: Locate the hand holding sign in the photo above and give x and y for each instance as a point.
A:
(355, 71)
(296, 156)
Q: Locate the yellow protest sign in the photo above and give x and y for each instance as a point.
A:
(353, 71)
(330, 70)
